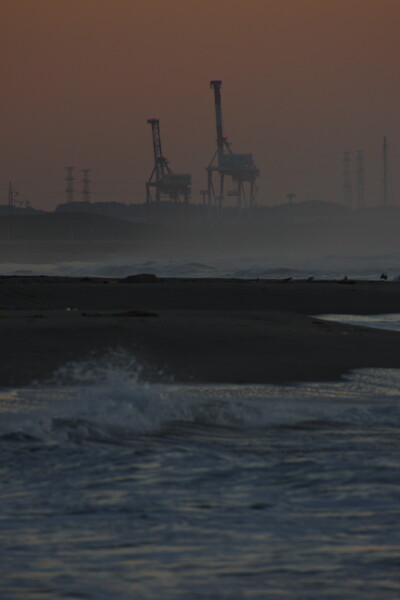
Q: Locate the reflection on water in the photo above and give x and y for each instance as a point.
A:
(110, 396)
(386, 321)
(114, 488)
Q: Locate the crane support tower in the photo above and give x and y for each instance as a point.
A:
(162, 179)
(240, 167)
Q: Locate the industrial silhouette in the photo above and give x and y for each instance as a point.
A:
(240, 167)
(162, 178)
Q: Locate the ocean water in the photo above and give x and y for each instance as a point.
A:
(242, 267)
(115, 488)
(112, 487)
(391, 321)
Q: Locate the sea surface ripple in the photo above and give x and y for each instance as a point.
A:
(114, 488)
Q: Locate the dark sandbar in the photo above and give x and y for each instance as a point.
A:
(195, 330)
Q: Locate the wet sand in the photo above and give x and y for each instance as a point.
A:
(194, 330)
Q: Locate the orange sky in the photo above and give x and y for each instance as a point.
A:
(303, 81)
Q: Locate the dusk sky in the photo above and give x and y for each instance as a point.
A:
(303, 81)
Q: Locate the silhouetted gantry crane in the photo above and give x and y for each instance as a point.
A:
(162, 179)
(240, 167)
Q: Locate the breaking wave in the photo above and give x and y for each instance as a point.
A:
(107, 401)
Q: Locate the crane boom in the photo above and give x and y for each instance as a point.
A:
(165, 182)
(160, 163)
(216, 85)
(239, 167)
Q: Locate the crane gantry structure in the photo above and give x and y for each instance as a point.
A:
(162, 179)
(240, 167)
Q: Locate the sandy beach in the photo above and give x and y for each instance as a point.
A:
(194, 330)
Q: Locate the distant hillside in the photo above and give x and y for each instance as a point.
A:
(301, 211)
(171, 213)
(72, 226)
(18, 210)
(366, 232)
(161, 213)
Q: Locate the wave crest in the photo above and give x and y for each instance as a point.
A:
(105, 400)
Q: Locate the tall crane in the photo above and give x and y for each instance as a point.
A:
(240, 167)
(162, 179)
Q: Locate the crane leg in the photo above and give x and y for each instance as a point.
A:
(221, 194)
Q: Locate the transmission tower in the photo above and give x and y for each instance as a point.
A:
(360, 179)
(86, 185)
(69, 190)
(346, 187)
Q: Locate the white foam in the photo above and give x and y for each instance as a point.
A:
(107, 401)
(381, 321)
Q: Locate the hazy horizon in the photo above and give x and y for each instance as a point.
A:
(303, 81)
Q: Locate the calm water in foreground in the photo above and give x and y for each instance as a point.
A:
(111, 488)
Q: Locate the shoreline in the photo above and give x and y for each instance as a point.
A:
(195, 330)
